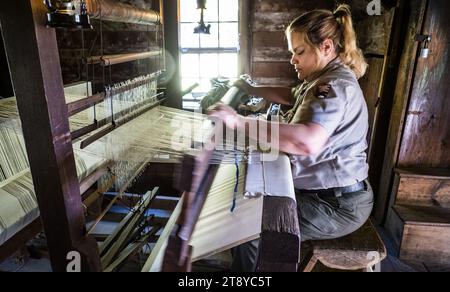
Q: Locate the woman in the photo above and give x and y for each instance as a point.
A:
(325, 131)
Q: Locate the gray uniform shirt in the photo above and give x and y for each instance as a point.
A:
(334, 100)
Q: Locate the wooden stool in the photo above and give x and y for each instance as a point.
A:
(359, 251)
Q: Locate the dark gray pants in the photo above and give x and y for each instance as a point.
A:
(320, 218)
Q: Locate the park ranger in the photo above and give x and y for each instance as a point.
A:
(325, 130)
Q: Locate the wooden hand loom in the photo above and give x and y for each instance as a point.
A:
(276, 216)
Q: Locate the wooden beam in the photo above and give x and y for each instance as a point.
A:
(130, 251)
(91, 179)
(86, 130)
(169, 12)
(109, 60)
(127, 228)
(85, 103)
(178, 253)
(279, 248)
(245, 37)
(138, 171)
(156, 258)
(385, 103)
(5, 80)
(403, 76)
(138, 111)
(33, 58)
(111, 10)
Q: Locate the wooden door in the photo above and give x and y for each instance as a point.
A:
(426, 136)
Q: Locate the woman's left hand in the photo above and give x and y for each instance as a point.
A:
(225, 114)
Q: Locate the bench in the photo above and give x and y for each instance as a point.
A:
(359, 251)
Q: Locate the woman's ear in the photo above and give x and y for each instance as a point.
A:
(327, 47)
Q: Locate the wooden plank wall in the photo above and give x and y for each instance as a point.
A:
(269, 55)
(269, 51)
(374, 34)
(118, 38)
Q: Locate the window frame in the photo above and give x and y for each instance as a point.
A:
(196, 96)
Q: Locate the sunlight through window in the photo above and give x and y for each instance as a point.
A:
(203, 56)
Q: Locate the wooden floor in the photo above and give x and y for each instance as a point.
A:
(221, 262)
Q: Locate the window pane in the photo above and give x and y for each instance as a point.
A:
(188, 11)
(211, 12)
(228, 65)
(205, 85)
(229, 10)
(202, 67)
(210, 40)
(229, 35)
(209, 66)
(187, 36)
(190, 65)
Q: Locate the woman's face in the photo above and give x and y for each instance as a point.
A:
(305, 58)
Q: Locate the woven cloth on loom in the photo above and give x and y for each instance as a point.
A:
(17, 198)
(18, 203)
(269, 176)
(218, 228)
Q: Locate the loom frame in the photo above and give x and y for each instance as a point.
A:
(45, 119)
(44, 115)
(39, 88)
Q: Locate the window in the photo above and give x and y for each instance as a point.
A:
(203, 56)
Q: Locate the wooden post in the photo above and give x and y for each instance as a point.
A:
(5, 80)
(245, 37)
(399, 79)
(33, 58)
(169, 16)
(279, 247)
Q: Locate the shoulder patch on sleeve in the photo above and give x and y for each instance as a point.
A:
(322, 90)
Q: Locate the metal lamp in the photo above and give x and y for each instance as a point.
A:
(202, 28)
